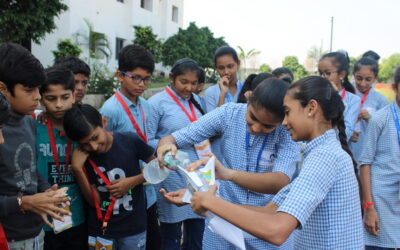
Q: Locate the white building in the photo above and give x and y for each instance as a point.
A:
(115, 19)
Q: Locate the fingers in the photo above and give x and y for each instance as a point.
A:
(54, 187)
(161, 151)
(213, 189)
(45, 220)
(195, 165)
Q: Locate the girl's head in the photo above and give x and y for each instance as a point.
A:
(246, 89)
(334, 66)
(4, 112)
(184, 77)
(365, 73)
(201, 81)
(227, 63)
(284, 74)
(396, 84)
(265, 110)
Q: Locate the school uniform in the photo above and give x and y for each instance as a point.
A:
(324, 198)
(351, 111)
(373, 102)
(382, 151)
(271, 152)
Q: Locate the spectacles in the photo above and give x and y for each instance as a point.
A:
(326, 74)
(137, 79)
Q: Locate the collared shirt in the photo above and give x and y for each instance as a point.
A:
(374, 102)
(167, 117)
(324, 198)
(351, 111)
(118, 121)
(381, 150)
(212, 95)
(279, 155)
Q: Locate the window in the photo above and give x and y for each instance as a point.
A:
(146, 4)
(119, 44)
(175, 14)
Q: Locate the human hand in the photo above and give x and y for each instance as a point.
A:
(223, 84)
(79, 157)
(364, 115)
(120, 187)
(174, 197)
(354, 137)
(162, 150)
(200, 199)
(221, 172)
(371, 221)
(42, 117)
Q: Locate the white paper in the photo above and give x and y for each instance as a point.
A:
(227, 231)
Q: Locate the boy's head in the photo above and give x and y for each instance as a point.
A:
(58, 92)
(81, 73)
(84, 124)
(21, 75)
(4, 112)
(135, 67)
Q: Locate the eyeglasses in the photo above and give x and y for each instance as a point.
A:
(326, 74)
(137, 79)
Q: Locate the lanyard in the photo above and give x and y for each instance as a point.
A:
(192, 118)
(261, 149)
(133, 121)
(228, 96)
(364, 98)
(110, 207)
(343, 94)
(396, 120)
(55, 152)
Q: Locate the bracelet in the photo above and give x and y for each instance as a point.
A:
(368, 204)
(19, 200)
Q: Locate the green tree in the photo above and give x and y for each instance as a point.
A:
(265, 68)
(388, 66)
(23, 21)
(193, 42)
(66, 48)
(145, 37)
(292, 63)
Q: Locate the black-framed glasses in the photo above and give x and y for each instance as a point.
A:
(327, 74)
(137, 79)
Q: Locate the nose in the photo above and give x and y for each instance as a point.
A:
(284, 122)
(59, 103)
(79, 86)
(93, 145)
(37, 95)
(256, 128)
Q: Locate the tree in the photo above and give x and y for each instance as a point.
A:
(193, 42)
(145, 37)
(244, 56)
(315, 53)
(66, 48)
(265, 68)
(388, 66)
(22, 21)
(292, 63)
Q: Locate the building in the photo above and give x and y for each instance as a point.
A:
(114, 19)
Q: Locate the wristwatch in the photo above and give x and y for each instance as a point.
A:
(19, 200)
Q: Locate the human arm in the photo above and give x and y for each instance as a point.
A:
(223, 85)
(371, 219)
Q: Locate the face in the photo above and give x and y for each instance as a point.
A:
(364, 78)
(97, 141)
(260, 121)
(295, 120)
(25, 99)
(57, 101)
(330, 71)
(184, 85)
(226, 66)
(81, 82)
(129, 86)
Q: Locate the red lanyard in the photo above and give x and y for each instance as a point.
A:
(133, 121)
(110, 207)
(55, 152)
(343, 94)
(192, 118)
(364, 98)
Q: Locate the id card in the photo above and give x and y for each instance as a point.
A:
(103, 244)
(202, 148)
(60, 226)
(267, 159)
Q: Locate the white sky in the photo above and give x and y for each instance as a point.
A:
(280, 28)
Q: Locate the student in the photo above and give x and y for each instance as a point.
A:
(334, 66)
(228, 88)
(283, 74)
(200, 87)
(365, 73)
(323, 201)
(23, 202)
(254, 141)
(253, 85)
(58, 97)
(4, 113)
(81, 74)
(107, 169)
(379, 163)
(244, 92)
(127, 111)
(372, 55)
(171, 110)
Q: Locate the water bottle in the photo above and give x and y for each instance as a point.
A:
(181, 159)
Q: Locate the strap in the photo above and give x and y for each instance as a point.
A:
(192, 118)
(343, 94)
(261, 149)
(364, 98)
(396, 120)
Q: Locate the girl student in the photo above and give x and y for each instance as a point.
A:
(323, 201)
(334, 66)
(380, 176)
(171, 110)
(365, 73)
(252, 83)
(254, 141)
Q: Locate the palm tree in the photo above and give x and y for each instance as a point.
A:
(244, 56)
(315, 53)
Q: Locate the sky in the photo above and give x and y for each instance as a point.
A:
(280, 28)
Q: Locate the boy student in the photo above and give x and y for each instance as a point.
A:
(23, 202)
(107, 169)
(58, 97)
(126, 111)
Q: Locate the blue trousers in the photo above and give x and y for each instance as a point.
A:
(171, 235)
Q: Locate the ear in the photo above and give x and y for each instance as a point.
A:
(104, 121)
(394, 86)
(3, 89)
(311, 108)
(171, 77)
(119, 76)
(342, 75)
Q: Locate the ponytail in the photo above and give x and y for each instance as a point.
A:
(196, 104)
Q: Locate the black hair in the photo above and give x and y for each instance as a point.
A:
(76, 65)
(19, 66)
(225, 50)
(246, 87)
(366, 61)
(259, 79)
(269, 95)
(396, 77)
(202, 75)
(372, 55)
(341, 60)
(80, 120)
(183, 66)
(319, 89)
(58, 76)
(282, 70)
(134, 56)
(4, 109)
